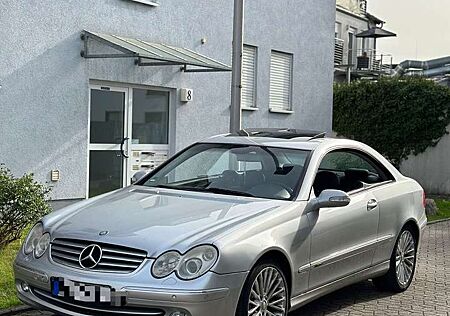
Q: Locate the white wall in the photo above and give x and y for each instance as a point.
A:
(431, 168)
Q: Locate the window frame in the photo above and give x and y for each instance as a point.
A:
(276, 109)
(374, 162)
(254, 105)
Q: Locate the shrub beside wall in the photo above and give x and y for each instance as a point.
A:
(398, 117)
(22, 203)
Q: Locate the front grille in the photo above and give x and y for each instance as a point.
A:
(94, 308)
(115, 259)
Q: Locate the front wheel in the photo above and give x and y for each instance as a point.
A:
(265, 292)
(402, 264)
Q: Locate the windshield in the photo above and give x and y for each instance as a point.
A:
(255, 171)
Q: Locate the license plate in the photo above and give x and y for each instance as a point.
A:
(86, 293)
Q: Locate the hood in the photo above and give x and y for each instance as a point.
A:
(156, 220)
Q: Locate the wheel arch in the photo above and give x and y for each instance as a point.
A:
(280, 257)
(415, 229)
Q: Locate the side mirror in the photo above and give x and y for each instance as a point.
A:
(328, 198)
(137, 176)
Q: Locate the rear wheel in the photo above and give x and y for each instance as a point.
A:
(265, 292)
(402, 264)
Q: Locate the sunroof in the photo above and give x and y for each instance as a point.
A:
(283, 133)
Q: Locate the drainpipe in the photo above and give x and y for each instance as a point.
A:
(236, 79)
(404, 66)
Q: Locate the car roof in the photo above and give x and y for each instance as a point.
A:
(304, 143)
(317, 143)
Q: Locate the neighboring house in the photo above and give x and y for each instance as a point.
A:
(87, 124)
(356, 58)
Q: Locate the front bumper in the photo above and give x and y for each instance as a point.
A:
(211, 294)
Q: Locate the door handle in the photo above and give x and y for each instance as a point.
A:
(122, 151)
(372, 204)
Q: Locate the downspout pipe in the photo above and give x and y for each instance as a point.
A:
(404, 66)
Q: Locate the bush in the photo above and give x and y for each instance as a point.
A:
(398, 117)
(22, 202)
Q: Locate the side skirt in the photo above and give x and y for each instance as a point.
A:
(362, 275)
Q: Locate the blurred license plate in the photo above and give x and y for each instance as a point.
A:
(87, 293)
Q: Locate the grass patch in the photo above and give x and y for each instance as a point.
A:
(8, 296)
(444, 209)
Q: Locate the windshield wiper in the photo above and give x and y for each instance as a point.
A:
(198, 189)
(226, 191)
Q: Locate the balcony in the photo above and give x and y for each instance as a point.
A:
(361, 61)
(370, 60)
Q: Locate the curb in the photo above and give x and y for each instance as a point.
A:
(433, 222)
(15, 310)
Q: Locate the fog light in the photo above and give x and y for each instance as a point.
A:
(178, 314)
(25, 286)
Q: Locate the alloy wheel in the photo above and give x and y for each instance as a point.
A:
(405, 258)
(268, 294)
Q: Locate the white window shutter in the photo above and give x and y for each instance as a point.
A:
(280, 81)
(249, 77)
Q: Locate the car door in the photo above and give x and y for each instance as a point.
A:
(343, 239)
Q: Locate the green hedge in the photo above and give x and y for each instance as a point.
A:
(398, 117)
(22, 203)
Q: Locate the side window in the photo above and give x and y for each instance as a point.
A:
(342, 160)
(347, 171)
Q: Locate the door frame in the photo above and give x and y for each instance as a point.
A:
(128, 89)
(108, 147)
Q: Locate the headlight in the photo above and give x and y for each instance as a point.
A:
(191, 265)
(33, 238)
(166, 264)
(37, 241)
(42, 245)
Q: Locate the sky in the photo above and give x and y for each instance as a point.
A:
(422, 28)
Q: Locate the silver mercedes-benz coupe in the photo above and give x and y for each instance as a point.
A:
(254, 223)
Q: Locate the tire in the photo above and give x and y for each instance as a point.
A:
(253, 299)
(404, 257)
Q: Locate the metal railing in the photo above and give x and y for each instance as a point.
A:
(362, 60)
(372, 60)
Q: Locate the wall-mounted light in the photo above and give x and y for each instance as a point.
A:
(54, 175)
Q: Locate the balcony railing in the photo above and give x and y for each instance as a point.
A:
(338, 51)
(372, 61)
(361, 60)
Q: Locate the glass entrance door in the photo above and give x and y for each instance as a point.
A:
(108, 143)
(129, 132)
(149, 141)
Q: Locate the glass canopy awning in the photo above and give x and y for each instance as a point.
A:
(150, 54)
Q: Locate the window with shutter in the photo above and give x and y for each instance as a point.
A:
(249, 59)
(280, 81)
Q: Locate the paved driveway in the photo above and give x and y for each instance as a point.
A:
(428, 295)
